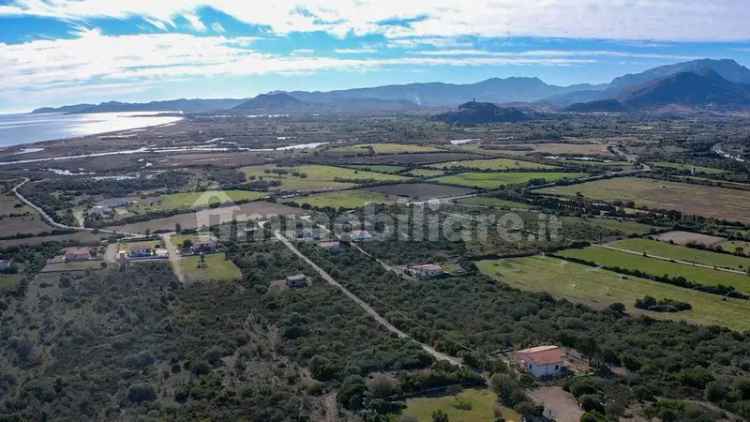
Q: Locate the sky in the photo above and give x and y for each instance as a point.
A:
(56, 52)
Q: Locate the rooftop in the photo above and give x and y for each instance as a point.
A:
(541, 355)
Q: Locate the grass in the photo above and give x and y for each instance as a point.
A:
(492, 164)
(681, 166)
(607, 163)
(487, 201)
(497, 180)
(378, 168)
(654, 247)
(349, 199)
(659, 194)
(194, 200)
(425, 173)
(733, 245)
(149, 244)
(217, 269)
(599, 288)
(482, 402)
(316, 177)
(657, 267)
(385, 148)
(9, 281)
(179, 239)
(625, 227)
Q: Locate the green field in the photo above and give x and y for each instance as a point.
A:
(315, 177)
(486, 201)
(733, 245)
(9, 281)
(597, 163)
(384, 148)
(217, 269)
(348, 199)
(657, 267)
(482, 403)
(625, 227)
(378, 168)
(497, 180)
(600, 288)
(660, 194)
(193, 200)
(491, 164)
(666, 250)
(682, 167)
(425, 173)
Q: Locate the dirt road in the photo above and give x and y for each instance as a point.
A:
(362, 304)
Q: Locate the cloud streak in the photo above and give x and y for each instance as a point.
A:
(666, 20)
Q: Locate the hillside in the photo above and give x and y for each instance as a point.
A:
(196, 105)
(478, 113)
(690, 89)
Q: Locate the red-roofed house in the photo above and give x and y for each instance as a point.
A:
(542, 361)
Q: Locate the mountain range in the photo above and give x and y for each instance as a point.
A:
(698, 84)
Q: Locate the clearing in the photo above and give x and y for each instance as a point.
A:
(469, 405)
(348, 199)
(660, 194)
(217, 268)
(491, 180)
(599, 288)
(490, 202)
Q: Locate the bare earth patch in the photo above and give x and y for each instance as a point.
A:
(559, 405)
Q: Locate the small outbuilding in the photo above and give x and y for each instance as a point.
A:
(296, 281)
(542, 361)
(77, 254)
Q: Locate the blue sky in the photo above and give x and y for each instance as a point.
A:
(55, 52)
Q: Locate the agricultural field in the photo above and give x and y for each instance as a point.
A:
(216, 268)
(683, 253)
(660, 194)
(657, 267)
(500, 179)
(16, 217)
(126, 247)
(420, 191)
(348, 199)
(378, 168)
(736, 246)
(384, 148)
(469, 405)
(625, 227)
(490, 202)
(192, 200)
(687, 167)
(554, 148)
(685, 238)
(223, 215)
(425, 172)
(492, 164)
(315, 177)
(604, 163)
(600, 288)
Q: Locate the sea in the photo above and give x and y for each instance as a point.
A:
(19, 129)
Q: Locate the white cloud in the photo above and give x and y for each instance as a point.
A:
(553, 53)
(657, 20)
(217, 27)
(362, 50)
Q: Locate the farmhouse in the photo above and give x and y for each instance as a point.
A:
(425, 271)
(102, 212)
(541, 361)
(77, 254)
(296, 281)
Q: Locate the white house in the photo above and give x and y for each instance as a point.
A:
(542, 361)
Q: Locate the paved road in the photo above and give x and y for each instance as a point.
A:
(678, 261)
(362, 304)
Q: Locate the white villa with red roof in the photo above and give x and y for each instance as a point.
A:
(542, 361)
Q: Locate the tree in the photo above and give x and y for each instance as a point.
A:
(439, 416)
(177, 228)
(139, 393)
